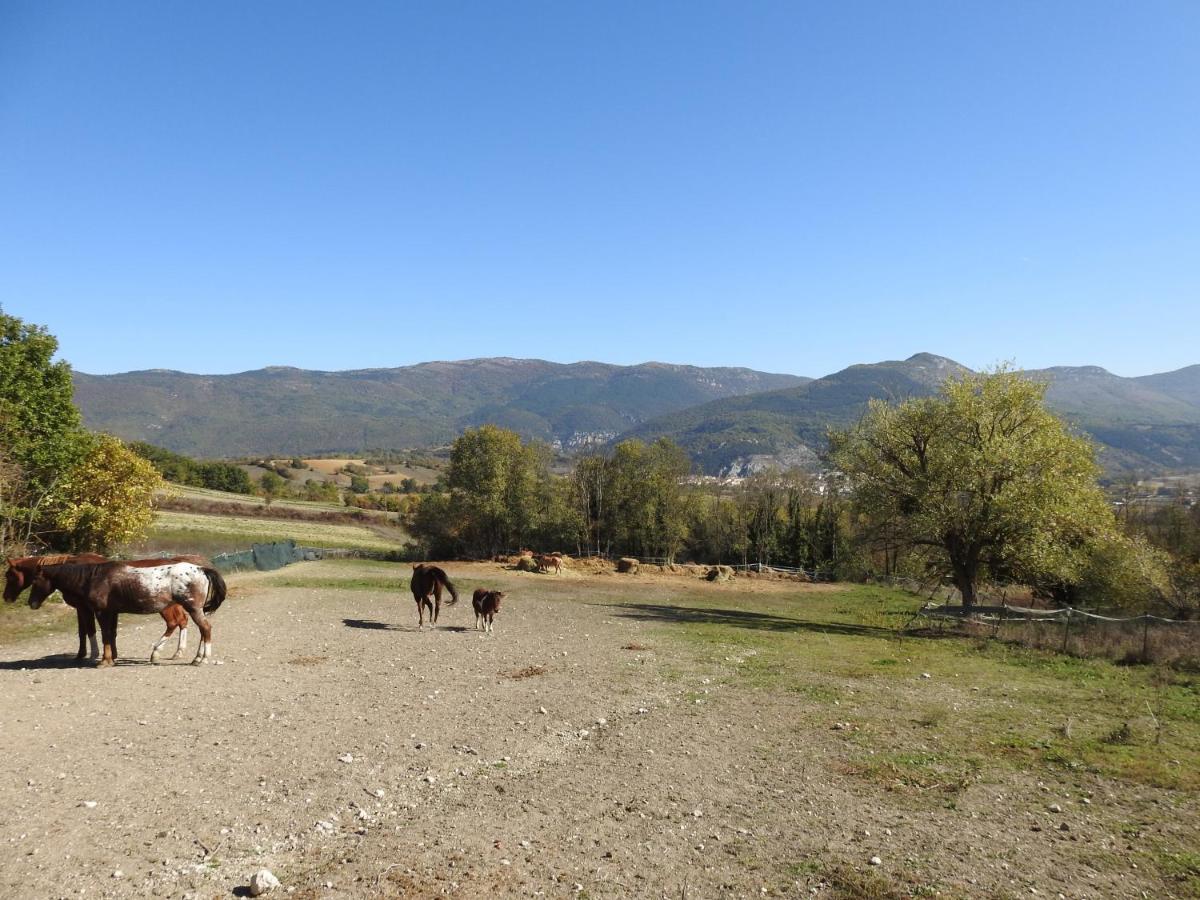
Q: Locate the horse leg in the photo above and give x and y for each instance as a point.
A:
(182, 640)
(420, 614)
(87, 633)
(108, 633)
(195, 609)
(169, 619)
(177, 617)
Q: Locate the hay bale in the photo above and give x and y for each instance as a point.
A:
(526, 564)
(628, 565)
(720, 573)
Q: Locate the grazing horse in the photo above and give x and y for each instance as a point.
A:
(426, 580)
(487, 604)
(546, 563)
(110, 588)
(22, 570)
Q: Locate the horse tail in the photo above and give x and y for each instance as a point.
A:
(216, 589)
(448, 584)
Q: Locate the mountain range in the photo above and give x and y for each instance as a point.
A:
(287, 411)
(730, 420)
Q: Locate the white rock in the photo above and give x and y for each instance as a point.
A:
(542, 710)
(262, 881)
(926, 675)
(118, 874)
(90, 804)
(1055, 808)
(346, 758)
(377, 793)
(876, 861)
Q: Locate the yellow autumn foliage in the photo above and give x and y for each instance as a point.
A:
(107, 499)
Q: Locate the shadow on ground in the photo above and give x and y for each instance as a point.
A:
(372, 625)
(65, 661)
(741, 618)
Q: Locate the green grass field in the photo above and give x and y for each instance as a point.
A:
(984, 704)
(210, 534)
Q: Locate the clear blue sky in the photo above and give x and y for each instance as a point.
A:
(794, 187)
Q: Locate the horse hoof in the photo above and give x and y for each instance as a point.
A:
(198, 661)
(155, 659)
(105, 664)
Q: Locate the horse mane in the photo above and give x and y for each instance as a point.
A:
(54, 559)
(36, 562)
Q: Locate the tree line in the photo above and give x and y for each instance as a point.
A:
(979, 483)
(499, 495)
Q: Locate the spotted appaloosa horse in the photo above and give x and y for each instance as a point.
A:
(22, 570)
(110, 588)
(487, 604)
(426, 580)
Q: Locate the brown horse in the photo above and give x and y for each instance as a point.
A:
(110, 588)
(546, 563)
(426, 580)
(22, 570)
(487, 604)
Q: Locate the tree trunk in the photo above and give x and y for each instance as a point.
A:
(964, 580)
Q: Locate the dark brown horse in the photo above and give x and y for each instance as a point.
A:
(111, 588)
(487, 604)
(427, 580)
(22, 570)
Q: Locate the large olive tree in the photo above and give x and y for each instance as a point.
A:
(982, 477)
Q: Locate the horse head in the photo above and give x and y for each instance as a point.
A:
(40, 588)
(498, 595)
(14, 582)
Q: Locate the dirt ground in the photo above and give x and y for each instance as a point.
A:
(579, 751)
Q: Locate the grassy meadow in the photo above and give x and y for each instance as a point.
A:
(187, 532)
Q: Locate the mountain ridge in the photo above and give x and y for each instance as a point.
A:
(727, 418)
(283, 409)
(1136, 425)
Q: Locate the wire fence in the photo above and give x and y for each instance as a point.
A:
(1076, 632)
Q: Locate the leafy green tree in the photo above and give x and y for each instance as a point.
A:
(271, 486)
(106, 499)
(359, 484)
(180, 469)
(980, 477)
(717, 532)
(321, 491)
(41, 431)
(646, 508)
(495, 484)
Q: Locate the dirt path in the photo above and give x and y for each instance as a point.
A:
(354, 756)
